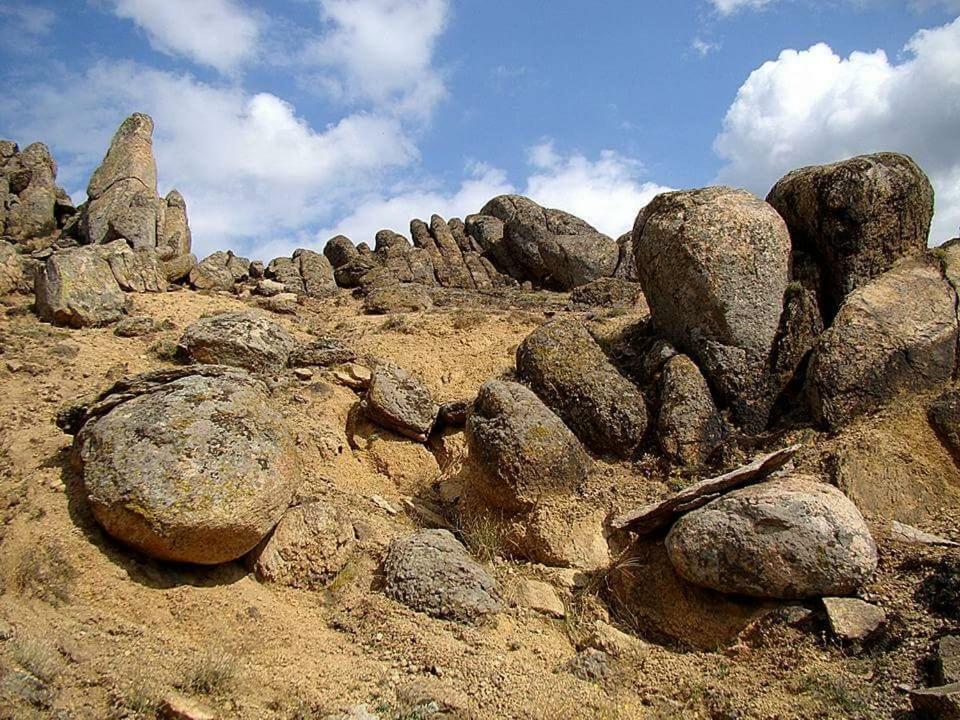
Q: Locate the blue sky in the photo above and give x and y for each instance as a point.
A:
(286, 122)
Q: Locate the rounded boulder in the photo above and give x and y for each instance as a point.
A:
(239, 339)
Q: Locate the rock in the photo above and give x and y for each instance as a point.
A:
(565, 366)
(269, 288)
(431, 572)
(175, 706)
(944, 417)
(356, 377)
(714, 266)
(135, 270)
(608, 292)
(122, 193)
(179, 268)
(487, 232)
(591, 665)
(852, 619)
(896, 333)
(800, 327)
(28, 195)
(689, 426)
(454, 413)
(11, 269)
(523, 449)
(789, 538)
(339, 251)
(256, 270)
(77, 288)
(856, 218)
(939, 703)
(322, 352)
(459, 275)
(357, 712)
(188, 465)
(175, 233)
(311, 544)
(397, 298)
(614, 642)
(540, 597)
(627, 261)
(240, 339)
(947, 660)
(551, 245)
(316, 272)
(561, 532)
(400, 402)
(304, 374)
(909, 534)
(658, 515)
(212, 273)
(136, 326)
(238, 267)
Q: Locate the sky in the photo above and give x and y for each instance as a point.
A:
(286, 122)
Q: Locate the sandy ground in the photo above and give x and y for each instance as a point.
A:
(89, 629)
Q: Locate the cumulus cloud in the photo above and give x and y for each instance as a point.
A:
(813, 106)
(381, 51)
(248, 164)
(728, 7)
(607, 192)
(218, 33)
(23, 26)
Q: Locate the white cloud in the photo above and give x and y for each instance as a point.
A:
(381, 51)
(704, 47)
(23, 26)
(247, 164)
(218, 33)
(607, 192)
(728, 7)
(813, 106)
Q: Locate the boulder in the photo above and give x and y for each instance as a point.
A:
(28, 195)
(11, 269)
(316, 273)
(179, 268)
(77, 288)
(487, 232)
(551, 245)
(175, 233)
(852, 619)
(431, 572)
(947, 659)
(311, 544)
(565, 366)
(627, 261)
(322, 352)
(397, 298)
(689, 426)
(135, 270)
(937, 703)
(608, 292)
(856, 218)
(714, 266)
(189, 465)
(212, 273)
(340, 250)
(944, 416)
(459, 275)
(122, 193)
(896, 333)
(540, 597)
(789, 538)
(136, 326)
(240, 339)
(400, 402)
(525, 452)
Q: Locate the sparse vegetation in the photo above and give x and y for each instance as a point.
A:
(211, 672)
(38, 658)
(836, 692)
(44, 572)
(398, 324)
(485, 536)
(467, 319)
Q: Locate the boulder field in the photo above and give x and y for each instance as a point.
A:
(500, 431)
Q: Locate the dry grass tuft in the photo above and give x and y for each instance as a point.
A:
(44, 572)
(38, 658)
(211, 672)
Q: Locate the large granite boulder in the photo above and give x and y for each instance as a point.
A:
(240, 339)
(552, 246)
(524, 451)
(714, 266)
(175, 231)
(305, 273)
(689, 426)
(855, 218)
(189, 465)
(11, 269)
(789, 538)
(213, 273)
(896, 333)
(401, 402)
(566, 367)
(77, 288)
(431, 572)
(28, 195)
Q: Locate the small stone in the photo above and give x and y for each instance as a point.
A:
(179, 707)
(383, 505)
(356, 377)
(910, 534)
(399, 401)
(591, 665)
(542, 598)
(853, 619)
(135, 327)
(303, 373)
(948, 659)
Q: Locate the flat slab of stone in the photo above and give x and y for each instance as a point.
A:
(938, 703)
(540, 597)
(853, 619)
(656, 516)
(907, 533)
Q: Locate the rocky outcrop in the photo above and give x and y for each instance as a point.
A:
(789, 538)
(689, 426)
(553, 247)
(855, 218)
(322, 352)
(189, 465)
(525, 452)
(565, 366)
(605, 292)
(309, 546)
(431, 572)
(11, 269)
(896, 333)
(77, 288)
(399, 298)
(400, 402)
(214, 272)
(32, 208)
(714, 266)
(305, 273)
(239, 339)
(944, 416)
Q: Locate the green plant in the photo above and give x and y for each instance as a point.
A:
(485, 536)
